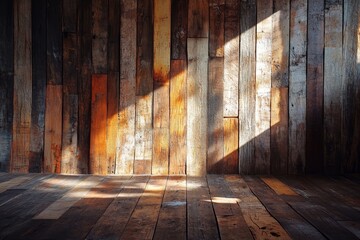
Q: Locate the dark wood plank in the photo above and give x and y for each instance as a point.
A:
(84, 84)
(172, 217)
(6, 82)
(54, 43)
(178, 112)
(216, 28)
(179, 20)
(100, 36)
(112, 223)
(98, 163)
(315, 88)
(247, 86)
(350, 89)
(114, 36)
(291, 221)
(332, 86)
(215, 129)
(201, 221)
(198, 18)
(143, 220)
(279, 83)
(53, 129)
(38, 85)
(228, 213)
(70, 65)
(125, 154)
(260, 222)
(20, 150)
(70, 10)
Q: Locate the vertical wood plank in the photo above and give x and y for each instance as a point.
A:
(98, 161)
(69, 146)
(162, 38)
(197, 105)
(125, 153)
(315, 88)
(198, 18)
(6, 82)
(297, 87)
(179, 20)
(144, 88)
(100, 35)
(54, 41)
(231, 146)
(215, 128)
(332, 86)
(247, 86)
(70, 57)
(178, 114)
(20, 151)
(84, 84)
(231, 59)
(279, 87)
(53, 129)
(351, 88)
(216, 28)
(263, 86)
(70, 8)
(114, 18)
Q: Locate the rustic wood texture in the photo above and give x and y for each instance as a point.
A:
(215, 128)
(332, 85)
(161, 67)
(196, 91)
(231, 146)
(53, 129)
(179, 20)
(247, 87)
(6, 82)
(216, 28)
(198, 19)
(297, 87)
(263, 86)
(98, 163)
(100, 35)
(20, 149)
(315, 88)
(178, 113)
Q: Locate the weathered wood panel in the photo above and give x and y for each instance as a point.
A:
(231, 59)
(231, 146)
(100, 35)
(198, 18)
(315, 88)
(98, 163)
(297, 87)
(20, 151)
(70, 10)
(332, 85)
(161, 67)
(351, 88)
(70, 66)
(6, 82)
(279, 83)
(179, 20)
(263, 86)
(178, 113)
(215, 128)
(53, 129)
(216, 28)
(197, 87)
(247, 86)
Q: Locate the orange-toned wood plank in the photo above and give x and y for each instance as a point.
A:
(98, 163)
(162, 38)
(20, 149)
(198, 18)
(279, 187)
(231, 145)
(53, 129)
(216, 28)
(178, 113)
(126, 151)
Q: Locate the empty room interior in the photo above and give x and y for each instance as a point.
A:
(180, 119)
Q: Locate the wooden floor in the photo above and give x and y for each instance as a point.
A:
(38, 206)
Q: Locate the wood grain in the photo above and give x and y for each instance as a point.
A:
(198, 18)
(197, 105)
(179, 20)
(20, 149)
(100, 36)
(98, 163)
(231, 146)
(53, 129)
(216, 28)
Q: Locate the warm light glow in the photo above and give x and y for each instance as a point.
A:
(224, 200)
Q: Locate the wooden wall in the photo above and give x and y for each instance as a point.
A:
(176, 86)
